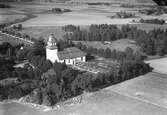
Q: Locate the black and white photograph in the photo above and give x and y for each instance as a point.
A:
(83, 57)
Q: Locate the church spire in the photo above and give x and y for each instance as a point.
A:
(52, 42)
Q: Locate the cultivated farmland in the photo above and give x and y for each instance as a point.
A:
(10, 18)
(37, 32)
(159, 65)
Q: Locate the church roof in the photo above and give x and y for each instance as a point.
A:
(52, 39)
(70, 53)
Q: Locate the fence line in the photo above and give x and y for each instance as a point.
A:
(22, 39)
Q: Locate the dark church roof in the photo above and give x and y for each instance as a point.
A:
(70, 53)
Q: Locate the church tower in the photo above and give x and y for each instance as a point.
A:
(52, 49)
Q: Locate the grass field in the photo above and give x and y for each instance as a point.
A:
(81, 14)
(159, 65)
(86, 15)
(10, 18)
(37, 32)
(119, 45)
(75, 18)
(150, 88)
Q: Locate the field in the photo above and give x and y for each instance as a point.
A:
(159, 65)
(82, 14)
(119, 45)
(141, 96)
(10, 18)
(37, 32)
(116, 1)
(75, 18)
(150, 88)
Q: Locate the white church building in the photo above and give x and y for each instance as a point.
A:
(69, 56)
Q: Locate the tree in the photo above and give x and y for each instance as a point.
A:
(21, 54)
(69, 75)
(46, 99)
(39, 47)
(129, 53)
(58, 67)
(82, 82)
(4, 47)
(107, 53)
(20, 26)
(45, 65)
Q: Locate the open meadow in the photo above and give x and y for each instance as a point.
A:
(37, 32)
(159, 65)
(108, 102)
(84, 15)
(150, 88)
(75, 18)
(119, 45)
(81, 14)
(10, 18)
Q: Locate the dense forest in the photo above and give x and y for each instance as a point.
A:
(153, 42)
(5, 6)
(64, 84)
(152, 21)
(59, 10)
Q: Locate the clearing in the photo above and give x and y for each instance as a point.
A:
(119, 45)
